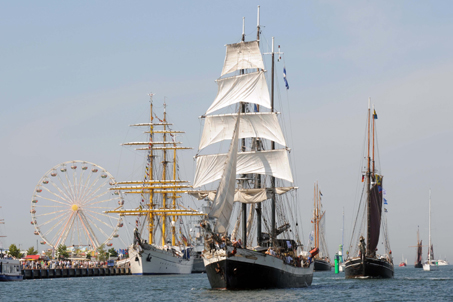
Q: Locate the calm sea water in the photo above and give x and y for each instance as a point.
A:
(409, 284)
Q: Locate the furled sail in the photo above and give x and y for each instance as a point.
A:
(273, 162)
(242, 55)
(223, 202)
(376, 212)
(246, 88)
(244, 195)
(260, 124)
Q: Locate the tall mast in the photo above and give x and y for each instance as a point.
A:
(150, 175)
(368, 189)
(164, 176)
(373, 170)
(272, 148)
(429, 230)
(258, 148)
(173, 219)
(244, 205)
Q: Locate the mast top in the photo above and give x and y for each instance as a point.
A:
(243, 28)
(258, 17)
(369, 102)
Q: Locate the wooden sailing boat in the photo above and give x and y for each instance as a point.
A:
(430, 264)
(418, 260)
(322, 261)
(367, 263)
(269, 261)
(165, 251)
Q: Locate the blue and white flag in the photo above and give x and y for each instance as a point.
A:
(310, 237)
(385, 201)
(284, 78)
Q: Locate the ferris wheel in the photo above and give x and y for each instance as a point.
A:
(68, 205)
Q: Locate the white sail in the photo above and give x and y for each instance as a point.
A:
(274, 163)
(242, 55)
(223, 202)
(244, 195)
(260, 124)
(246, 88)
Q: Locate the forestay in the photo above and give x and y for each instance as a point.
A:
(273, 162)
(220, 127)
(246, 88)
(242, 55)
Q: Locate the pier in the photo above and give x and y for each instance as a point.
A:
(74, 272)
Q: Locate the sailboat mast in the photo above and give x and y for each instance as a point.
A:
(164, 176)
(273, 148)
(173, 219)
(373, 170)
(258, 148)
(368, 189)
(429, 230)
(244, 205)
(150, 173)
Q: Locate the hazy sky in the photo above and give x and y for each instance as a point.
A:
(75, 75)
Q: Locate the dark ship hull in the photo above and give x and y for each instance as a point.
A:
(368, 268)
(254, 270)
(322, 265)
(418, 265)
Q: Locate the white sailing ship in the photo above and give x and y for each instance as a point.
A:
(166, 249)
(430, 264)
(261, 167)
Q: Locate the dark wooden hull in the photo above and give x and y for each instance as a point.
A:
(418, 265)
(322, 265)
(369, 268)
(236, 274)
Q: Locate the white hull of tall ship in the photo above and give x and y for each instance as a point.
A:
(250, 270)
(152, 260)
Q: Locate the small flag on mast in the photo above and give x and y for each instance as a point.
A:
(375, 115)
(284, 78)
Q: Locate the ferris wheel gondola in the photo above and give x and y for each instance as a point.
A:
(68, 206)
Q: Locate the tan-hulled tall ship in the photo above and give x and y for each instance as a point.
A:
(322, 260)
(165, 249)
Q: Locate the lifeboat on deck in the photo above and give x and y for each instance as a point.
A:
(314, 252)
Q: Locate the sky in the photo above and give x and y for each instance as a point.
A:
(75, 75)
